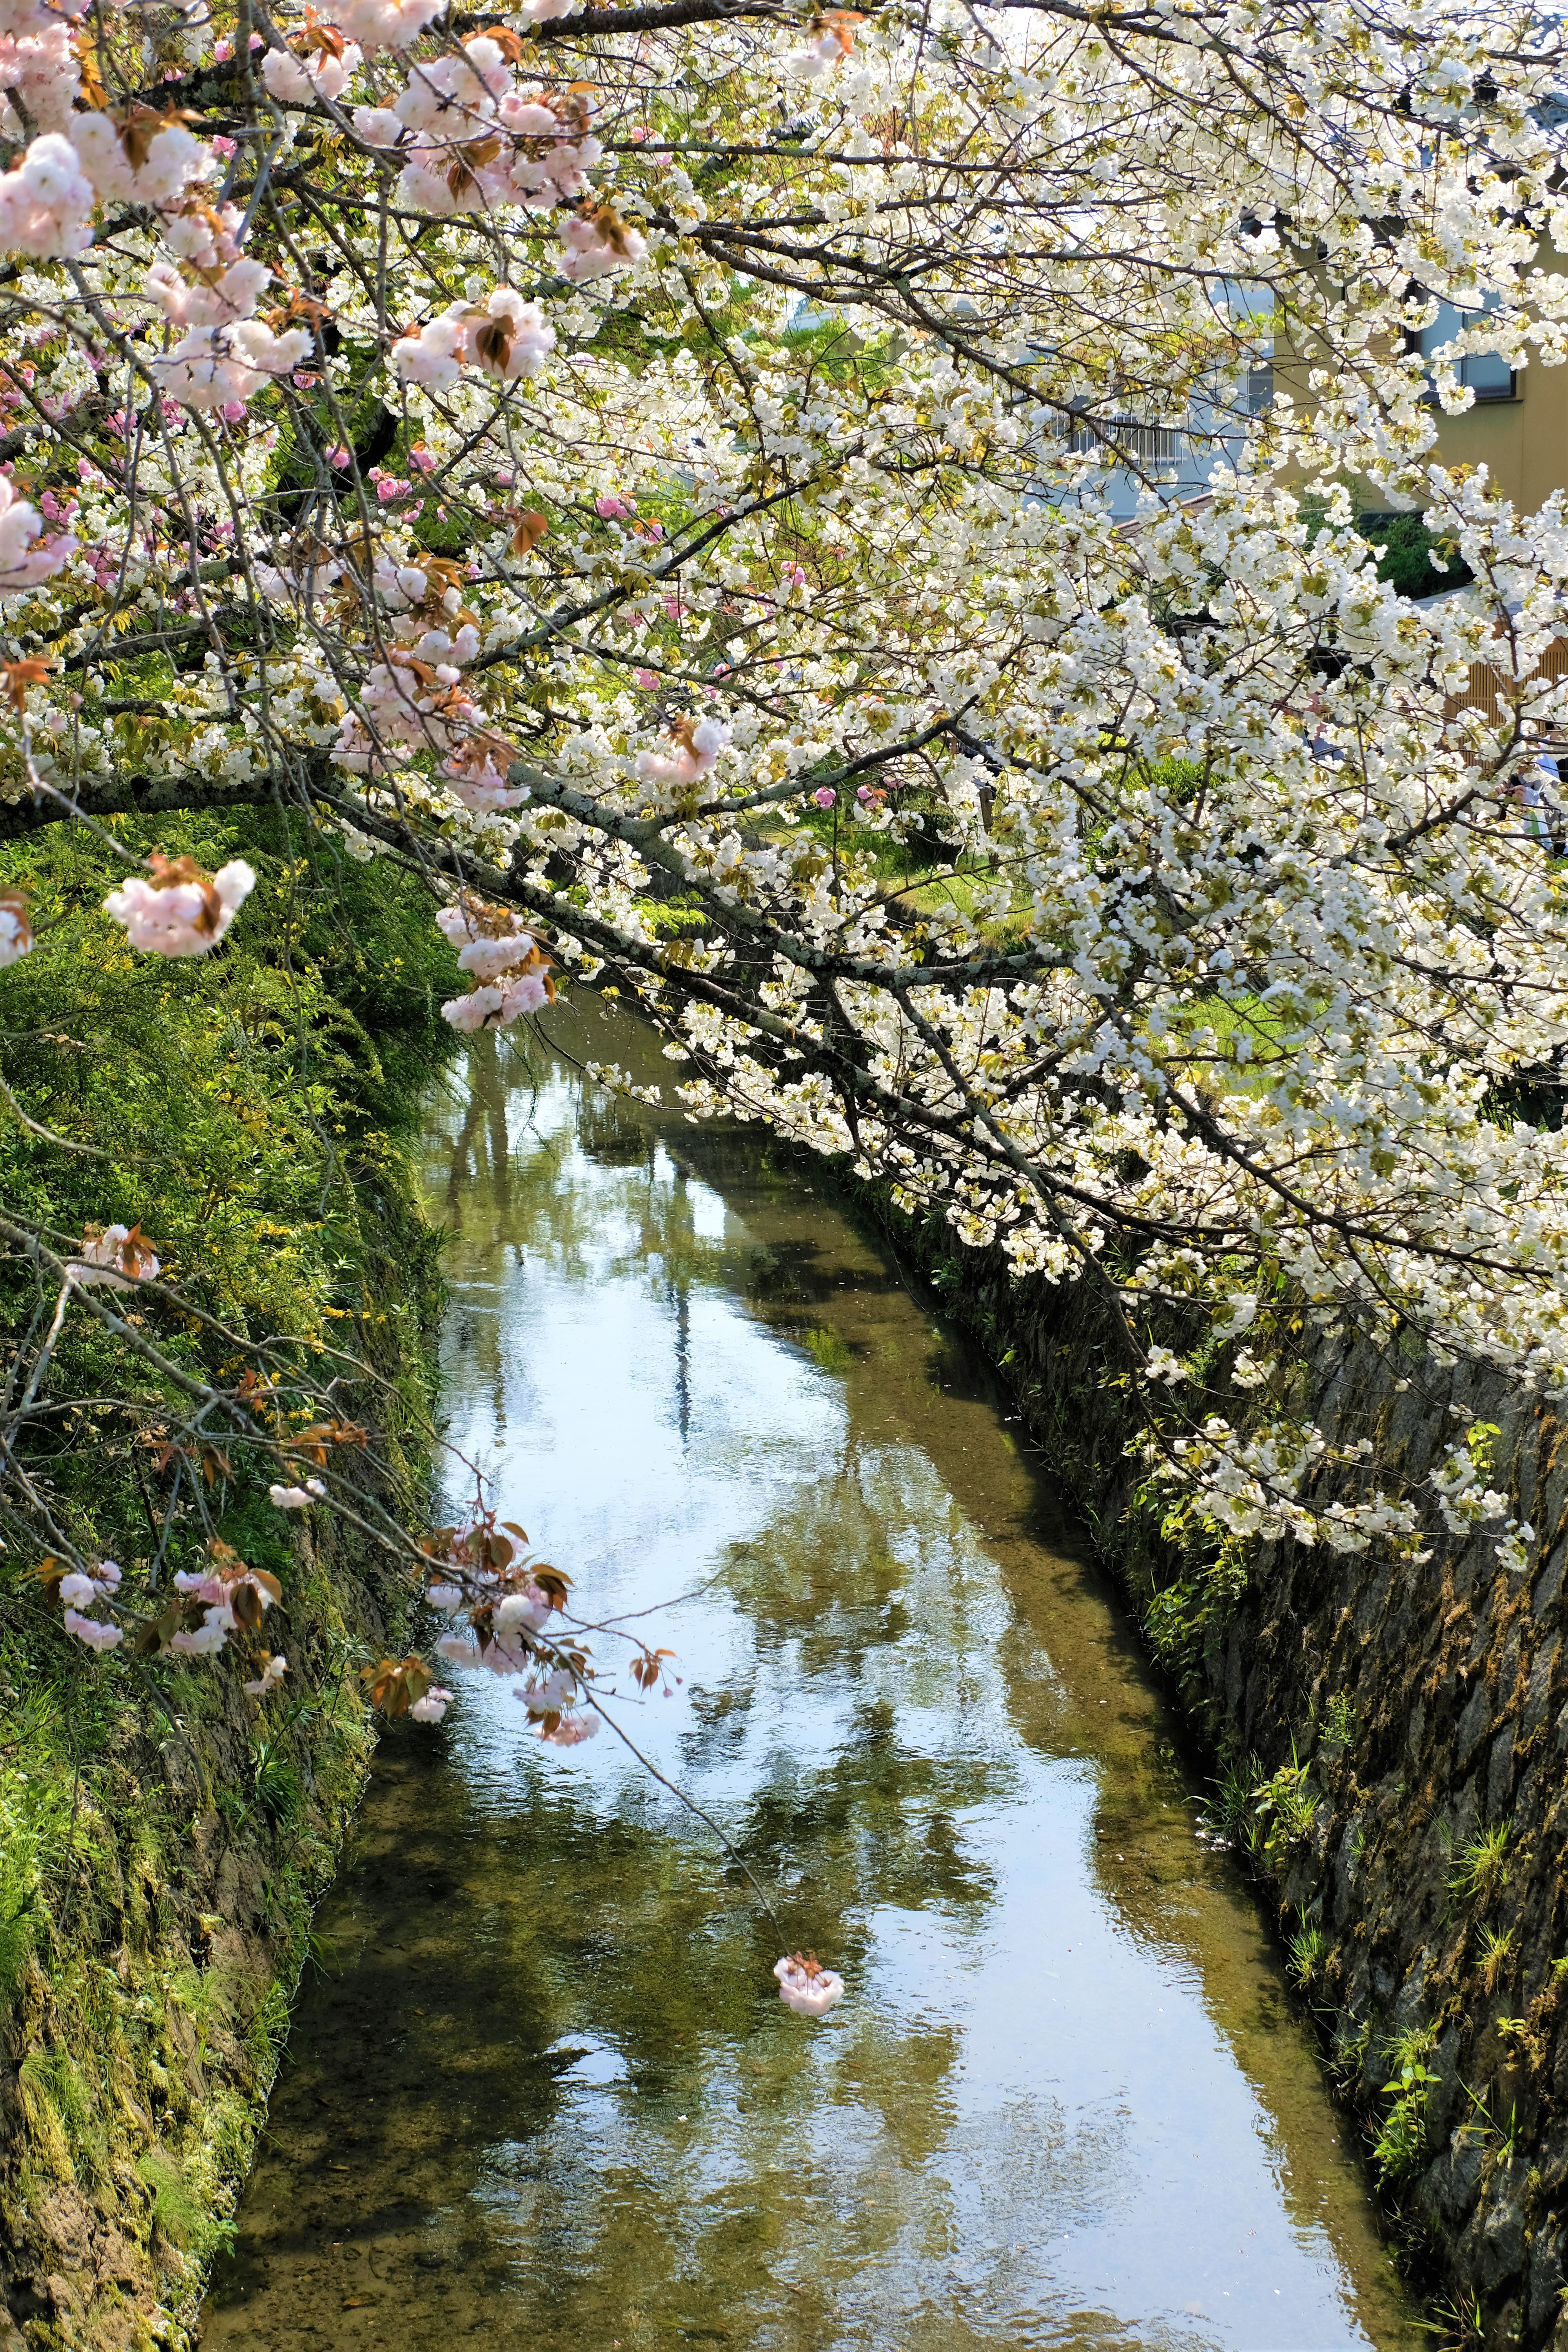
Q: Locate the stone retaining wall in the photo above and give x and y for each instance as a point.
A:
(1390, 1747)
(134, 2073)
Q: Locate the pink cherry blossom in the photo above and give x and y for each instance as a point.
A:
(806, 1987)
(45, 202)
(488, 938)
(181, 911)
(595, 244)
(528, 1609)
(84, 1587)
(698, 745)
(570, 1732)
(207, 1639)
(115, 1259)
(171, 161)
(481, 787)
(385, 23)
(524, 993)
(201, 1584)
(301, 80)
(497, 1004)
(26, 557)
(296, 1498)
(487, 959)
(474, 1011)
(16, 929)
(88, 1630)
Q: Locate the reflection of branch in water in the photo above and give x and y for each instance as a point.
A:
(511, 1043)
(495, 1099)
(682, 1290)
(463, 1167)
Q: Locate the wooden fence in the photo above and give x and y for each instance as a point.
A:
(1490, 692)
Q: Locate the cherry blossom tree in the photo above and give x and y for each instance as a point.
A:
(840, 529)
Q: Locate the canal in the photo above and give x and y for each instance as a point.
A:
(541, 2092)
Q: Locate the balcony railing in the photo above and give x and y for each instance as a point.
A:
(1147, 445)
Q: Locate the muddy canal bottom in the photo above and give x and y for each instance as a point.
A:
(544, 2095)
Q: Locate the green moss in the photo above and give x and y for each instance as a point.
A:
(175, 2211)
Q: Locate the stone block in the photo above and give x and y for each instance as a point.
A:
(1537, 1691)
(1500, 1774)
(1473, 1726)
(1528, 1470)
(1502, 2248)
(1556, 1495)
(1545, 2284)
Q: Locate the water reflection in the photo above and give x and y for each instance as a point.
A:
(549, 2099)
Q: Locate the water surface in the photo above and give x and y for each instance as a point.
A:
(547, 2098)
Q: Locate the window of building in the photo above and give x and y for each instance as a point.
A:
(1257, 389)
(1488, 376)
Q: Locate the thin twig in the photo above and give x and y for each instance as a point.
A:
(691, 1805)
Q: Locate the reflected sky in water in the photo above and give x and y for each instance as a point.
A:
(549, 2099)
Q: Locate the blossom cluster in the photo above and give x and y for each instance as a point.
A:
(115, 1258)
(181, 910)
(805, 1986)
(27, 554)
(505, 1606)
(507, 338)
(84, 1590)
(512, 974)
(16, 927)
(219, 1604)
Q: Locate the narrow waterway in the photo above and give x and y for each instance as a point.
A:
(542, 2094)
